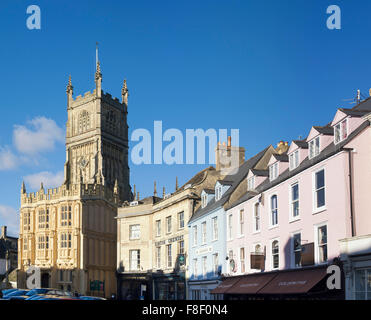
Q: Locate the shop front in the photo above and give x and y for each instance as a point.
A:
(134, 286)
(294, 284)
(171, 286)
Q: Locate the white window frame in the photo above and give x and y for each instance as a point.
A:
(316, 244)
(195, 235)
(218, 193)
(312, 144)
(273, 171)
(158, 228)
(291, 202)
(271, 225)
(137, 260)
(204, 266)
(251, 183)
(169, 218)
(314, 190)
(241, 223)
(242, 262)
(158, 257)
(169, 258)
(204, 200)
(271, 253)
(215, 234)
(195, 274)
(294, 159)
(203, 232)
(230, 226)
(134, 234)
(341, 138)
(180, 220)
(254, 217)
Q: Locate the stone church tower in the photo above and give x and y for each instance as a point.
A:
(97, 139)
(70, 232)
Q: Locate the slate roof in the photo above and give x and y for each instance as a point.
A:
(236, 180)
(209, 191)
(301, 144)
(364, 105)
(281, 157)
(326, 130)
(354, 113)
(329, 151)
(260, 173)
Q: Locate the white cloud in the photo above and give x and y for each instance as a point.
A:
(9, 217)
(8, 160)
(41, 135)
(49, 179)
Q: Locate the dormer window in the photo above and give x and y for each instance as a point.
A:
(218, 193)
(314, 148)
(341, 131)
(294, 160)
(251, 183)
(204, 200)
(273, 171)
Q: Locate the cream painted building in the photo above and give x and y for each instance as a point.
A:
(153, 237)
(70, 232)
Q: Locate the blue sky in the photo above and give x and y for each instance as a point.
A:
(271, 69)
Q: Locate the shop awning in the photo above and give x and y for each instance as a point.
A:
(225, 285)
(251, 284)
(294, 282)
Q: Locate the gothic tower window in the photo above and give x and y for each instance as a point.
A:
(84, 121)
(111, 121)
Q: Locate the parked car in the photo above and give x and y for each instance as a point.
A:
(91, 298)
(7, 291)
(19, 292)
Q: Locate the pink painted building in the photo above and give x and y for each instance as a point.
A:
(295, 211)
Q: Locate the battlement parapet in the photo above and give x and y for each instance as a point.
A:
(83, 191)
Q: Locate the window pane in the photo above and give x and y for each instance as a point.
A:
(320, 179)
(360, 280)
(337, 133)
(295, 192)
(344, 129)
(317, 146)
(320, 198)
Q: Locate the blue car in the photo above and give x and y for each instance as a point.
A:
(15, 293)
(91, 298)
(7, 291)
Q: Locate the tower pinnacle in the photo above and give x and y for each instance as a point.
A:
(124, 93)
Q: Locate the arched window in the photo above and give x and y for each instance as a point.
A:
(274, 211)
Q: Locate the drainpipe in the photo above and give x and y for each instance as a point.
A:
(349, 150)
